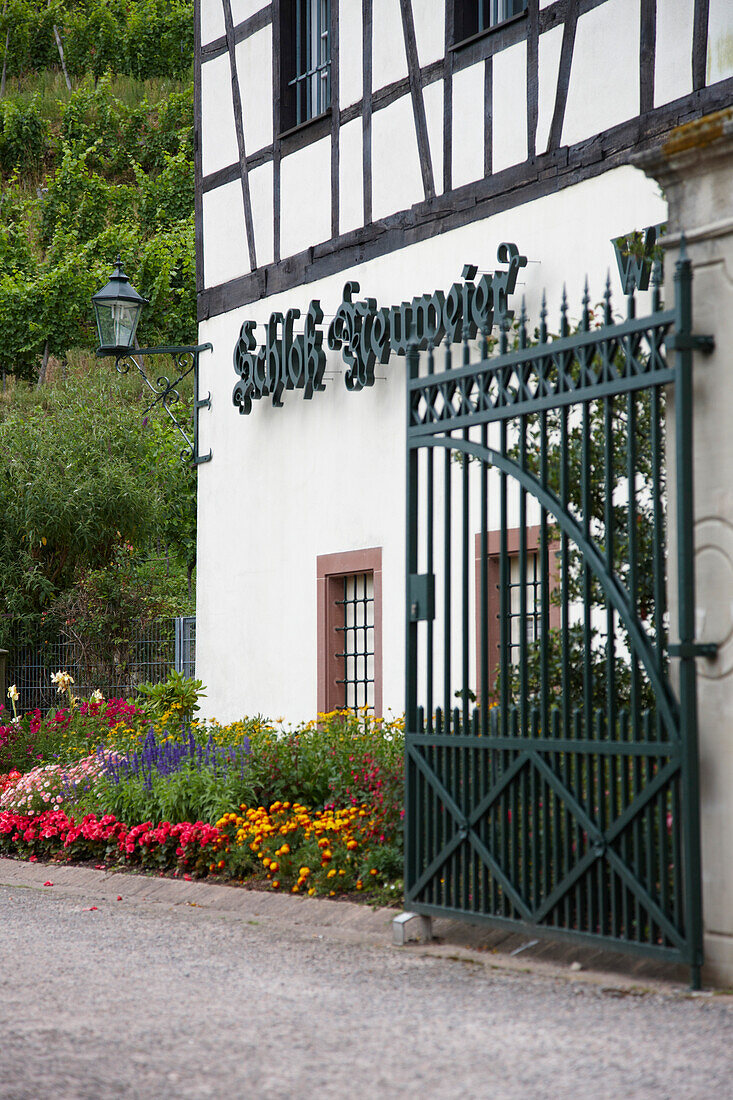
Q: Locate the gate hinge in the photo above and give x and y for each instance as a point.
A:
(422, 596)
(678, 341)
(694, 649)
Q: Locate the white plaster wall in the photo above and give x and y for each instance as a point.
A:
(305, 192)
(509, 103)
(351, 69)
(673, 62)
(396, 176)
(219, 138)
(328, 475)
(242, 9)
(212, 20)
(254, 71)
(225, 237)
(433, 100)
(351, 176)
(429, 18)
(468, 125)
(389, 60)
(261, 196)
(604, 78)
(720, 40)
(550, 45)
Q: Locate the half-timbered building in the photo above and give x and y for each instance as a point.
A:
(352, 156)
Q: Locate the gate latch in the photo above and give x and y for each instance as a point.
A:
(694, 649)
(422, 596)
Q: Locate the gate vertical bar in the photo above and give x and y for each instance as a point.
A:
(411, 528)
(686, 617)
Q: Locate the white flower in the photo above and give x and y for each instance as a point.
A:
(13, 693)
(96, 697)
(62, 680)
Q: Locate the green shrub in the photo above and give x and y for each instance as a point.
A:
(175, 700)
(23, 136)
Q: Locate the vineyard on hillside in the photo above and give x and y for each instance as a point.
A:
(96, 158)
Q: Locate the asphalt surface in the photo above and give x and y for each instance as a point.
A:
(191, 991)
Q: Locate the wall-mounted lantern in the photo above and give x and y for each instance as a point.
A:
(117, 309)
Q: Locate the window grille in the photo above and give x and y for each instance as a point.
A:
(310, 83)
(356, 632)
(532, 622)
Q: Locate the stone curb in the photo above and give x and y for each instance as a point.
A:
(349, 922)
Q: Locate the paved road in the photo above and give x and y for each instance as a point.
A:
(148, 999)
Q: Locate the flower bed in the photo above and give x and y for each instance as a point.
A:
(68, 732)
(183, 847)
(334, 788)
(330, 852)
(49, 785)
(327, 852)
(8, 780)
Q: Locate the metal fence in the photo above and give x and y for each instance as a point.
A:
(137, 658)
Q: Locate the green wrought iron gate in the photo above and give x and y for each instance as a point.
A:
(551, 765)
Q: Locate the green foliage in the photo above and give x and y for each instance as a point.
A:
(107, 608)
(23, 136)
(576, 658)
(77, 483)
(177, 697)
(143, 38)
(120, 181)
(329, 761)
(191, 794)
(105, 169)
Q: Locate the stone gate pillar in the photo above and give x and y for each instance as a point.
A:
(695, 170)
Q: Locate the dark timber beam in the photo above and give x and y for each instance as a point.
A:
(563, 78)
(366, 107)
(418, 101)
(700, 43)
(239, 129)
(647, 54)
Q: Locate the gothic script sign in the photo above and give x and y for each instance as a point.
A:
(366, 335)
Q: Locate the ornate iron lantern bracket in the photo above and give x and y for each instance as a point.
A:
(165, 392)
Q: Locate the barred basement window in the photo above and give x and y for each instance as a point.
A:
(475, 16)
(305, 37)
(533, 593)
(350, 631)
(357, 636)
(532, 597)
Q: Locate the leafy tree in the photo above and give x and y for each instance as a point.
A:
(78, 481)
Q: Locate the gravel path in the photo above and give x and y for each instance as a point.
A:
(176, 1001)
